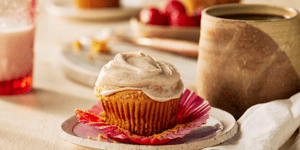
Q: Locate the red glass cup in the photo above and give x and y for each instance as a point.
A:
(17, 30)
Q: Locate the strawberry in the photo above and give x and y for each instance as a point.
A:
(170, 6)
(151, 15)
(181, 19)
(198, 11)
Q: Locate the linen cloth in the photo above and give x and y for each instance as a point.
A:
(266, 126)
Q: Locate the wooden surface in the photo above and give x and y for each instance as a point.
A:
(32, 121)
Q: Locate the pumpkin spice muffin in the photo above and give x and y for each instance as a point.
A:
(139, 94)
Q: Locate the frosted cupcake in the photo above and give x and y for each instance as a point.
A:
(139, 94)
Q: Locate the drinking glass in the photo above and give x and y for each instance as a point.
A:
(17, 32)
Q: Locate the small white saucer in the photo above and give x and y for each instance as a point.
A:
(220, 127)
(65, 8)
(77, 67)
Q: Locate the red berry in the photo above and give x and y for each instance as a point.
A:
(198, 11)
(170, 6)
(181, 19)
(150, 15)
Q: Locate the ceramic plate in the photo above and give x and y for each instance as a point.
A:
(220, 127)
(65, 8)
(79, 68)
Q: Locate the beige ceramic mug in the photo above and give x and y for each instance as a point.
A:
(248, 54)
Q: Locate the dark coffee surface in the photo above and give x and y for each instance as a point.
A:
(247, 16)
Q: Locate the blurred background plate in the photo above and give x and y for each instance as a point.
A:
(78, 67)
(140, 29)
(65, 8)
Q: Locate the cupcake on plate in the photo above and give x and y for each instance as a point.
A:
(139, 94)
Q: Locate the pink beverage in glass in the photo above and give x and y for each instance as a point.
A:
(17, 30)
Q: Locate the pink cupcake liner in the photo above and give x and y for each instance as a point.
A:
(192, 113)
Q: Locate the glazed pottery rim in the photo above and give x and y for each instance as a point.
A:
(227, 9)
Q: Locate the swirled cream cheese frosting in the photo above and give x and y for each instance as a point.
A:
(137, 71)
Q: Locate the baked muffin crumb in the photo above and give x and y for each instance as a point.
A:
(77, 45)
(101, 137)
(100, 46)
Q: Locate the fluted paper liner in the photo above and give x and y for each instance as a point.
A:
(192, 113)
(141, 117)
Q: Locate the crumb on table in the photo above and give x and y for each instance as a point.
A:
(89, 137)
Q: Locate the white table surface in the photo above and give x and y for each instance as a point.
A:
(32, 121)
